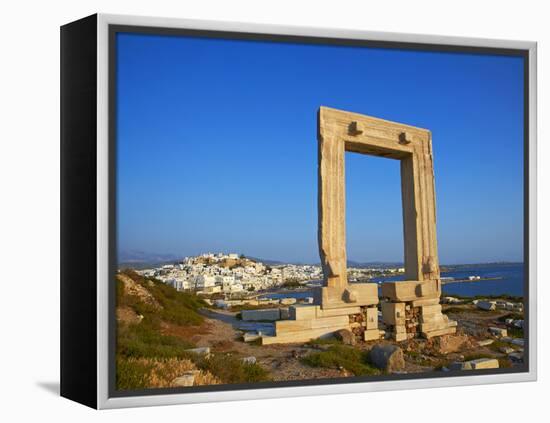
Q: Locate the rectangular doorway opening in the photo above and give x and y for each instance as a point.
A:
(374, 218)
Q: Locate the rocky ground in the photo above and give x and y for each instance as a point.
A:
(473, 340)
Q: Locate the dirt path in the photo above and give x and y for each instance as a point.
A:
(283, 361)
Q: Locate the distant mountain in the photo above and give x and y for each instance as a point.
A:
(141, 259)
(266, 261)
(374, 264)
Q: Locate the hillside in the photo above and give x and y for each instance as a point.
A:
(155, 324)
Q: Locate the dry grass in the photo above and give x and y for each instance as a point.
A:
(159, 373)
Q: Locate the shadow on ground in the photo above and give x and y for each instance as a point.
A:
(51, 387)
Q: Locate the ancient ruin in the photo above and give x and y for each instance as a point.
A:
(409, 308)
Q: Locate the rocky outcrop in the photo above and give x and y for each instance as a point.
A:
(387, 357)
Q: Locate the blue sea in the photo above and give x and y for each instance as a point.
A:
(510, 281)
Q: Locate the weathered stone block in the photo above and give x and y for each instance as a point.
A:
(371, 315)
(269, 314)
(399, 337)
(302, 312)
(393, 313)
(285, 314)
(342, 311)
(283, 326)
(439, 332)
(484, 363)
(410, 290)
(372, 335)
(430, 309)
(302, 335)
(425, 302)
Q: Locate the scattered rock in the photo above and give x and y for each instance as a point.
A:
(387, 357)
(287, 301)
(506, 350)
(345, 336)
(249, 360)
(498, 331)
(516, 357)
(480, 363)
(518, 341)
(251, 336)
(486, 305)
(204, 351)
(187, 379)
(485, 342)
(458, 365)
(518, 324)
(484, 363)
(451, 300)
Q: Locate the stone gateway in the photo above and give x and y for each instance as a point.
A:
(409, 308)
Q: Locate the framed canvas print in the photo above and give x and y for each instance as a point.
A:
(253, 211)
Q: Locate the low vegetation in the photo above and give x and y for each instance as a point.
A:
(148, 358)
(515, 333)
(142, 373)
(291, 284)
(342, 357)
(231, 369)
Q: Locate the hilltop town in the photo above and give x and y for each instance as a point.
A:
(234, 274)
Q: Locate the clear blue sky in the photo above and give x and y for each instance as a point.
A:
(217, 147)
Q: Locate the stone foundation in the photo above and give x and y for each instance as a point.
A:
(307, 322)
(412, 309)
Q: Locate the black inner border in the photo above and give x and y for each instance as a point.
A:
(421, 47)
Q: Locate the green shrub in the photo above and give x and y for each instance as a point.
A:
(291, 284)
(340, 356)
(515, 332)
(324, 341)
(132, 374)
(180, 308)
(144, 340)
(231, 369)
